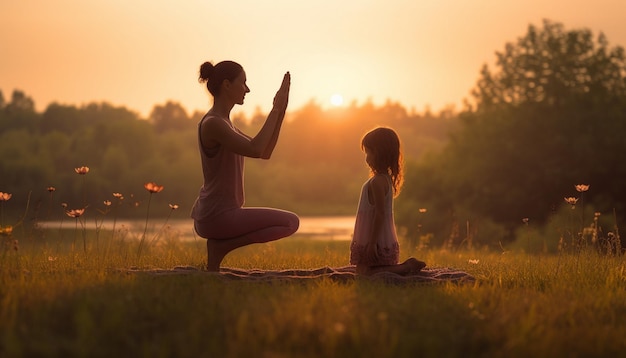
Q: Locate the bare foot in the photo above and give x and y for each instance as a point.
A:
(362, 270)
(414, 265)
(215, 254)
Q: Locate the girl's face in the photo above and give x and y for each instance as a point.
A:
(238, 88)
(369, 157)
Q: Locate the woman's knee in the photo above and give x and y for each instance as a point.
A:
(291, 221)
(294, 222)
(200, 229)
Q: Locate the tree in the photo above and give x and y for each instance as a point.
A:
(555, 67)
(62, 118)
(19, 113)
(550, 116)
(171, 116)
(21, 102)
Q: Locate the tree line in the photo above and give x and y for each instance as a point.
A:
(549, 115)
(317, 167)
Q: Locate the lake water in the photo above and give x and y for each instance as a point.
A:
(314, 227)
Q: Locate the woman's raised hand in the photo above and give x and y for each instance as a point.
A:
(282, 96)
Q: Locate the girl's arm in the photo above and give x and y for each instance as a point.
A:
(377, 189)
(218, 130)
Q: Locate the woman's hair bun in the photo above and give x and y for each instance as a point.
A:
(215, 75)
(206, 70)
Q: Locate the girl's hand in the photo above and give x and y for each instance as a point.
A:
(282, 96)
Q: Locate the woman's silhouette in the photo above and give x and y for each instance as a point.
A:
(218, 213)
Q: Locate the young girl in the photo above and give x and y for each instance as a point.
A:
(374, 246)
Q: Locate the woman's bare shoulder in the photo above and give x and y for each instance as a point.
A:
(210, 118)
(212, 122)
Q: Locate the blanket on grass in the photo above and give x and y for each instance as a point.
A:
(340, 274)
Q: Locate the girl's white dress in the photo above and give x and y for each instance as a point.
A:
(387, 242)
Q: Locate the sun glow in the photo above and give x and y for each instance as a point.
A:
(336, 100)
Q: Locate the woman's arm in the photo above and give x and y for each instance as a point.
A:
(280, 103)
(272, 144)
(215, 129)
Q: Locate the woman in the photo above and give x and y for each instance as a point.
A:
(218, 213)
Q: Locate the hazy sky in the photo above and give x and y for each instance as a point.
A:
(144, 52)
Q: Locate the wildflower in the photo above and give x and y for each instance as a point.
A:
(581, 188)
(81, 170)
(473, 261)
(107, 203)
(52, 258)
(51, 189)
(118, 196)
(571, 200)
(422, 210)
(173, 206)
(5, 196)
(6, 230)
(64, 205)
(525, 220)
(75, 213)
(153, 187)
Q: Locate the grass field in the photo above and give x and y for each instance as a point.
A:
(59, 301)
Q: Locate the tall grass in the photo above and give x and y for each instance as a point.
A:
(55, 301)
(559, 291)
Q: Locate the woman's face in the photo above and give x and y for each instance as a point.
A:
(238, 88)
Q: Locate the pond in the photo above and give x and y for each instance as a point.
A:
(314, 227)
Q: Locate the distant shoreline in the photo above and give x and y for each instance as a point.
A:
(316, 227)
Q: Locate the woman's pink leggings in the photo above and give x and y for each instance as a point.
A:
(256, 224)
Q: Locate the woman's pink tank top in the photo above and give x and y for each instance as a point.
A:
(223, 181)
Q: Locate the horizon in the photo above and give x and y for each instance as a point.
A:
(139, 55)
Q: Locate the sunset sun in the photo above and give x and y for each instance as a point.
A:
(336, 100)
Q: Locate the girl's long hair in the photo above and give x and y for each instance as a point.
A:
(385, 144)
